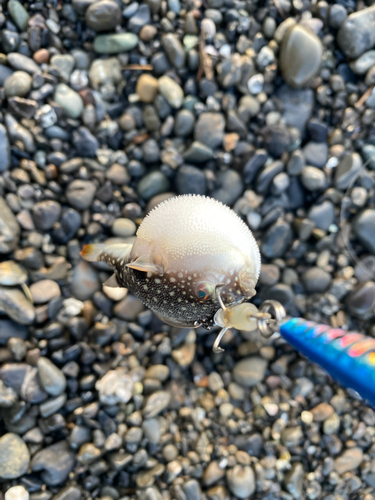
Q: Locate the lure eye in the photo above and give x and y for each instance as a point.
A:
(204, 290)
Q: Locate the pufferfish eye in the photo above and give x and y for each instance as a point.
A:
(204, 289)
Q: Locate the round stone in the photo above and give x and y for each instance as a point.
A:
(123, 227)
(249, 371)
(313, 178)
(301, 54)
(316, 280)
(147, 88)
(103, 15)
(44, 290)
(18, 84)
(16, 493)
(14, 456)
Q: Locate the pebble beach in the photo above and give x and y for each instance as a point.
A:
(109, 107)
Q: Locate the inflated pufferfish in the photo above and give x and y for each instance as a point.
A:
(191, 256)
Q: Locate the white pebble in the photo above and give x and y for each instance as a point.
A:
(17, 493)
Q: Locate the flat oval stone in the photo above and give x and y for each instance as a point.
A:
(300, 56)
(115, 43)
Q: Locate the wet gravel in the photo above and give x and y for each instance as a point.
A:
(109, 107)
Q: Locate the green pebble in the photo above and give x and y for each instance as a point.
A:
(19, 14)
(115, 43)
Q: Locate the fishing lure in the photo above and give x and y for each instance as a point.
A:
(195, 263)
(349, 357)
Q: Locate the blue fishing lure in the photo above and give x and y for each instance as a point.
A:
(349, 357)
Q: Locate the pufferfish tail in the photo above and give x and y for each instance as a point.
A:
(91, 252)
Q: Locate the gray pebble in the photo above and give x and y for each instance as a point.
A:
(184, 123)
(14, 456)
(361, 65)
(294, 480)
(198, 153)
(45, 214)
(14, 303)
(152, 184)
(141, 17)
(277, 239)
(19, 133)
(129, 308)
(192, 489)
(313, 178)
(241, 481)
(4, 158)
(300, 56)
(171, 91)
(361, 300)
(52, 406)
(156, 403)
(230, 187)
(104, 72)
(292, 436)
(190, 180)
(363, 227)
(249, 371)
(346, 170)
(85, 142)
(297, 105)
(85, 281)
(209, 129)
(337, 15)
(103, 15)
(174, 50)
(323, 215)
(316, 153)
(316, 280)
(51, 377)
(65, 65)
(213, 473)
(18, 84)
(55, 463)
(69, 100)
(80, 194)
(356, 34)
(22, 63)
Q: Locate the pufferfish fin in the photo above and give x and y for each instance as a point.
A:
(91, 252)
(112, 282)
(145, 265)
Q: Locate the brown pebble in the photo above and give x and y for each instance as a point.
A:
(147, 33)
(322, 411)
(41, 56)
(147, 88)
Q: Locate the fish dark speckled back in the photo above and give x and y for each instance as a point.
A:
(188, 250)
